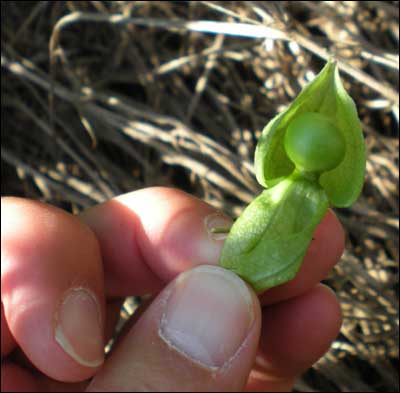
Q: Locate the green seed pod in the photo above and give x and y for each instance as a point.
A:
(308, 157)
(313, 143)
(267, 243)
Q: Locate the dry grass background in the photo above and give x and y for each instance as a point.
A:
(104, 97)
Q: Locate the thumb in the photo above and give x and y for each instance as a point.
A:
(200, 334)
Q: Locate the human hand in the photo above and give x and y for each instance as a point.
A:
(204, 331)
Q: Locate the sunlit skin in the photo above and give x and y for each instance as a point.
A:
(45, 251)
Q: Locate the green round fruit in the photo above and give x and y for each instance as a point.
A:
(313, 143)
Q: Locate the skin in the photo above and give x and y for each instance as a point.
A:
(170, 237)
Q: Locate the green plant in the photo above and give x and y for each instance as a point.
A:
(309, 157)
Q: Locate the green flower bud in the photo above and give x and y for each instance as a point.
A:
(308, 157)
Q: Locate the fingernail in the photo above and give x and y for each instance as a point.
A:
(208, 315)
(79, 328)
(189, 240)
(217, 226)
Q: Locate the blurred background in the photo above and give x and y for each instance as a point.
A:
(99, 98)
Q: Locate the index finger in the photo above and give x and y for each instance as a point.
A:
(148, 237)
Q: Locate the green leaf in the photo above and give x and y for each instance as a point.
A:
(267, 243)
